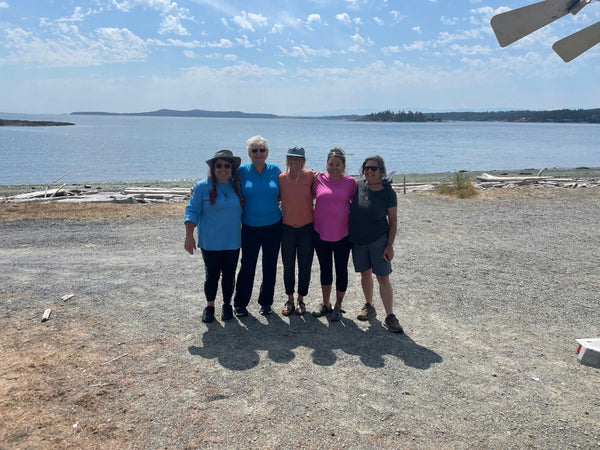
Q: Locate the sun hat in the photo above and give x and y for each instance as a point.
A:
(225, 154)
(296, 151)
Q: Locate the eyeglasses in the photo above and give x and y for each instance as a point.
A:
(224, 165)
(373, 168)
(256, 150)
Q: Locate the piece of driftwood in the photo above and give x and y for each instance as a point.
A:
(486, 177)
(157, 191)
(64, 298)
(46, 315)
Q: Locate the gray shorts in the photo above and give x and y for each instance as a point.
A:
(370, 256)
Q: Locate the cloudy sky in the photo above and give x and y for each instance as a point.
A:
(283, 57)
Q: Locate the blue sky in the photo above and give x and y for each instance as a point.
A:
(283, 57)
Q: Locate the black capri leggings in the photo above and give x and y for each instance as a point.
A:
(327, 252)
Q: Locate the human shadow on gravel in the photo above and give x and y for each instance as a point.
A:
(236, 343)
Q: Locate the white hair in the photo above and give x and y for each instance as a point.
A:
(257, 141)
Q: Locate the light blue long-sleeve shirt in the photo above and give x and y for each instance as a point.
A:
(218, 225)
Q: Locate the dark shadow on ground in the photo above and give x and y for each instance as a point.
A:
(236, 343)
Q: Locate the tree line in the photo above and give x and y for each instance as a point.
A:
(555, 116)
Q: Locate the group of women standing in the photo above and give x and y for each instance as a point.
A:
(305, 212)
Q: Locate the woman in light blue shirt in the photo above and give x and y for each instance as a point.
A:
(215, 210)
(261, 227)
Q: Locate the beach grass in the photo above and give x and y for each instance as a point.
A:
(460, 185)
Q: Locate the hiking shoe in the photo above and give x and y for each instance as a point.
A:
(265, 310)
(392, 324)
(227, 312)
(241, 311)
(336, 315)
(209, 314)
(323, 311)
(367, 312)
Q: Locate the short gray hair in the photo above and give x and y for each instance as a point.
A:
(256, 141)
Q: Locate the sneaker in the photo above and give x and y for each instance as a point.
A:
(241, 311)
(324, 310)
(265, 310)
(391, 322)
(227, 312)
(209, 314)
(336, 315)
(367, 312)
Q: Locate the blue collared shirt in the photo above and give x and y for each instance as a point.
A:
(218, 225)
(260, 192)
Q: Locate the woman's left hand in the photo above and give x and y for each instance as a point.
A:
(388, 253)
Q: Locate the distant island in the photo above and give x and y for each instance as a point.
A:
(554, 116)
(222, 114)
(32, 123)
(191, 113)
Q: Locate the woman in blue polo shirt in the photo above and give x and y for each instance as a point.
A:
(261, 227)
(215, 209)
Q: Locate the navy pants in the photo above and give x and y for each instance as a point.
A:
(297, 243)
(254, 239)
(217, 262)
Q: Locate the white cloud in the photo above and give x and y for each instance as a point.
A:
(471, 50)
(223, 43)
(417, 30)
(69, 48)
(391, 49)
(396, 16)
(172, 24)
(277, 29)
(313, 18)
(77, 16)
(449, 20)
(3, 5)
(244, 42)
(378, 21)
(171, 11)
(415, 46)
(248, 21)
(344, 18)
(304, 52)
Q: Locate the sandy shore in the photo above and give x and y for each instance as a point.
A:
(491, 291)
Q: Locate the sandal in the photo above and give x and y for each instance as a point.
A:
(288, 308)
(301, 309)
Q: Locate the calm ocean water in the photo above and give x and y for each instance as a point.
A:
(122, 148)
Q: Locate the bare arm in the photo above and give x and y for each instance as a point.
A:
(388, 253)
(190, 242)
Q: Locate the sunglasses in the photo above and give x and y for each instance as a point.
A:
(256, 150)
(373, 168)
(224, 165)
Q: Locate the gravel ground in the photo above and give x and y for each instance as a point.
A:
(491, 292)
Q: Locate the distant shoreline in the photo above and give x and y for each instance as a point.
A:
(32, 123)
(527, 116)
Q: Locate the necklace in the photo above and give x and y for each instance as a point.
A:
(224, 192)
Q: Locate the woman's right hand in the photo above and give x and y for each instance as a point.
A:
(190, 244)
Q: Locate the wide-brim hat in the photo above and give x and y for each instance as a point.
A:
(225, 154)
(296, 151)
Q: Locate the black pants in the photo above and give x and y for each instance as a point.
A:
(217, 262)
(329, 251)
(267, 238)
(297, 243)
